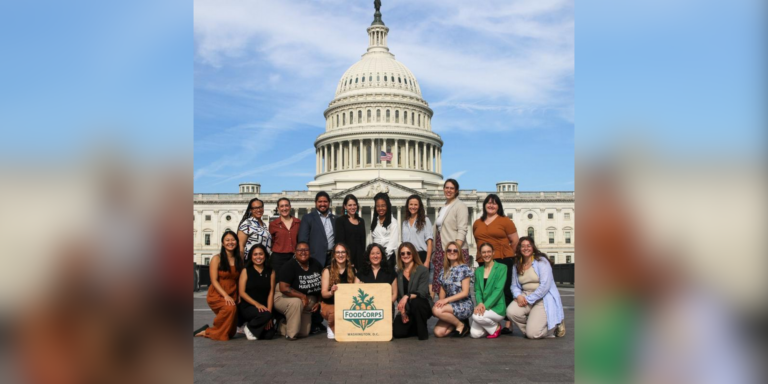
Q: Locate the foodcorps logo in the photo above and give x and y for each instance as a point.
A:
(363, 313)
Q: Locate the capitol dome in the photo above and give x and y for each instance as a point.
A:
(378, 125)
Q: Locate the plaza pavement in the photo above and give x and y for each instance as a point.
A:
(508, 359)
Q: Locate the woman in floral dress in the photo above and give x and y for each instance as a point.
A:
(455, 305)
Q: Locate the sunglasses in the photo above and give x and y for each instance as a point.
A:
(452, 251)
(405, 253)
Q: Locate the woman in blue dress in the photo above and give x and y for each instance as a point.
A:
(455, 305)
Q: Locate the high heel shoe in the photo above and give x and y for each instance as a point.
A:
(495, 334)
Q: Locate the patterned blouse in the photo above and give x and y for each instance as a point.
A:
(463, 308)
(257, 234)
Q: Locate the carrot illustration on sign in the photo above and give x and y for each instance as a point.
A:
(363, 313)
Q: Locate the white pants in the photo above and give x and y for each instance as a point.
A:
(485, 324)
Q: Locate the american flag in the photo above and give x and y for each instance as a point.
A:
(386, 156)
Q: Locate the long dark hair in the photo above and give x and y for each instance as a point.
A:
(537, 254)
(223, 261)
(420, 214)
(249, 263)
(387, 215)
(247, 213)
(495, 200)
(347, 198)
(366, 267)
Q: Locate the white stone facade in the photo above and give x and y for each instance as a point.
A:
(377, 108)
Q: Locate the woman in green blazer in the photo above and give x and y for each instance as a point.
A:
(489, 293)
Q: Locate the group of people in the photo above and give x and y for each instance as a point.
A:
(282, 277)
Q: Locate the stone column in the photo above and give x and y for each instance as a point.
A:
(317, 161)
(372, 154)
(333, 157)
(407, 154)
(325, 161)
(396, 154)
(349, 152)
(361, 159)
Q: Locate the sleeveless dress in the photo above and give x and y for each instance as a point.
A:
(225, 323)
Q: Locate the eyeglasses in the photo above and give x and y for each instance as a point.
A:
(405, 253)
(341, 252)
(452, 250)
(302, 250)
(257, 208)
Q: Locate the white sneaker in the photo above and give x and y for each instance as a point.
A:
(248, 334)
(240, 329)
(330, 334)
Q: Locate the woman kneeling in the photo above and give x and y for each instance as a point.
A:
(455, 306)
(537, 309)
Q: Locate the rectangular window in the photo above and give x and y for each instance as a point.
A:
(207, 217)
(550, 216)
(207, 261)
(567, 215)
(207, 239)
(510, 216)
(552, 259)
(567, 237)
(551, 237)
(568, 259)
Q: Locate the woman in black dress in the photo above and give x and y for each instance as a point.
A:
(375, 271)
(257, 292)
(350, 230)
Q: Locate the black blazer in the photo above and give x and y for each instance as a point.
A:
(313, 232)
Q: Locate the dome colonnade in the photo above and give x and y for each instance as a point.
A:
(378, 108)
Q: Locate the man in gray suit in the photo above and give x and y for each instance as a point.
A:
(317, 230)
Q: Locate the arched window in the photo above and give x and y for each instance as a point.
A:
(419, 119)
(385, 77)
(344, 119)
(337, 120)
(413, 118)
(359, 116)
(405, 117)
(399, 81)
(351, 115)
(377, 77)
(387, 115)
(530, 232)
(370, 78)
(369, 115)
(397, 116)
(378, 115)
(363, 79)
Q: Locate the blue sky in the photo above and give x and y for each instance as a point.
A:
(499, 76)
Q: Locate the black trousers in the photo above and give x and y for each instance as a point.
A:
(423, 257)
(256, 321)
(279, 259)
(509, 262)
(418, 312)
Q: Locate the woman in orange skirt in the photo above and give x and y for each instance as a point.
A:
(222, 294)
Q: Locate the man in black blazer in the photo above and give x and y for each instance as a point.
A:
(317, 230)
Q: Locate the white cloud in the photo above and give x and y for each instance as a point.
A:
(456, 175)
(269, 167)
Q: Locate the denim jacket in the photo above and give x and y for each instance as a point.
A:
(546, 291)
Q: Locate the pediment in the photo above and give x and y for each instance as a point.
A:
(369, 189)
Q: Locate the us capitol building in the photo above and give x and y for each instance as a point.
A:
(378, 107)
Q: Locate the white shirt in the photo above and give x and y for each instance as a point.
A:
(386, 237)
(442, 214)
